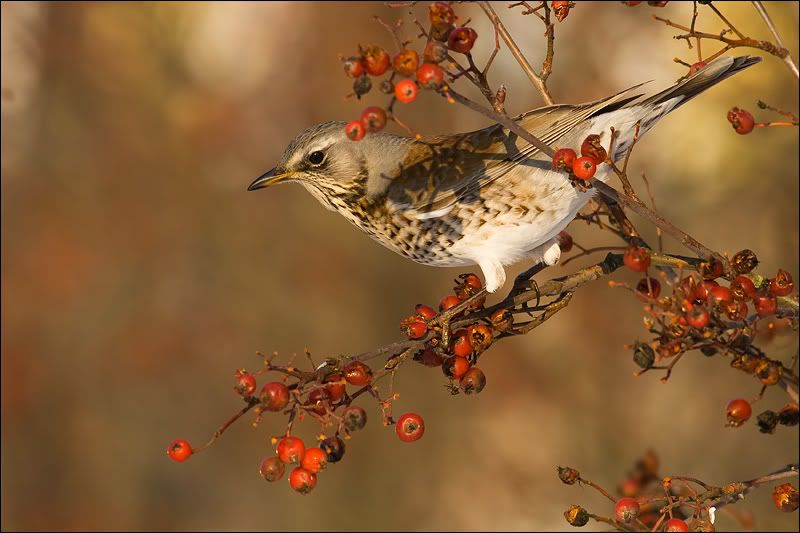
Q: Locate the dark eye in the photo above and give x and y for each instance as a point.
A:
(316, 158)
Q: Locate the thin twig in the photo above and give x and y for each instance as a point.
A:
(768, 21)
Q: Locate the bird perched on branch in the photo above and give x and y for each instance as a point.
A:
(484, 197)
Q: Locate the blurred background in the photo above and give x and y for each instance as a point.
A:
(138, 274)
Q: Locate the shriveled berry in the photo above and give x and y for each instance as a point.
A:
(636, 259)
(584, 168)
(357, 373)
(592, 149)
(353, 66)
(441, 32)
(735, 310)
(302, 480)
(712, 269)
(765, 305)
(386, 87)
(564, 158)
(430, 76)
(480, 337)
(697, 317)
(314, 460)
(355, 418)
(473, 381)
(782, 285)
(676, 525)
(373, 118)
(564, 240)
(333, 448)
(741, 120)
(376, 60)
(429, 357)
(744, 261)
(502, 319)
(568, 475)
(271, 469)
(455, 367)
(789, 415)
(362, 85)
(245, 383)
(435, 52)
(451, 300)
(743, 288)
(697, 67)
(441, 13)
(561, 9)
(462, 347)
(786, 497)
(406, 91)
(274, 396)
(462, 39)
(738, 412)
(410, 427)
(179, 450)
(576, 516)
(769, 372)
(336, 386)
(643, 355)
(648, 288)
(406, 62)
(425, 312)
(355, 130)
(626, 510)
(291, 450)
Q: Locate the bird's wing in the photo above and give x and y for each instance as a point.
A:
(439, 171)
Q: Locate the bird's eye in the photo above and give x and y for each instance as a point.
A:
(316, 157)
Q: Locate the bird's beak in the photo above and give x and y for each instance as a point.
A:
(269, 178)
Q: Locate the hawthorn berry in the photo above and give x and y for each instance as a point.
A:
(743, 288)
(473, 381)
(676, 525)
(480, 337)
(406, 91)
(741, 120)
(786, 497)
(376, 60)
(318, 401)
(720, 295)
(697, 67)
(373, 118)
(560, 9)
(462, 39)
(441, 14)
(357, 373)
(441, 32)
(274, 396)
(626, 510)
(769, 372)
(302, 480)
(354, 418)
(564, 158)
(434, 53)
(502, 319)
(455, 367)
(697, 317)
(467, 285)
(636, 259)
(643, 355)
(355, 130)
(568, 475)
(386, 87)
(576, 516)
(333, 448)
(424, 312)
(584, 168)
(782, 285)
(416, 329)
(735, 310)
(765, 305)
(592, 149)
(462, 347)
(406, 62)
(314, 460)
(362, 85)
(179, 450)
(353, 66)
(738, 412)
(649, 290)
(744, 261)
(245, 383)
(448, 302)
(629, 487)
(702, 290)
(336, 387)
(430, 76)
(291, 450)
(410, 427)
(712, 269)
(271, 469)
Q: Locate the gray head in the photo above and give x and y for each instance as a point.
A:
(332, 167)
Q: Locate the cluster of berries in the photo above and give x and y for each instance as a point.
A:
(584, 167)
(373, 60)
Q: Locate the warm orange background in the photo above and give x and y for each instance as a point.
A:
(138, 274)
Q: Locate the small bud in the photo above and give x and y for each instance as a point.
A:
(568, 475)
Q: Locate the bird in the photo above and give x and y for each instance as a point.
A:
(484, 197)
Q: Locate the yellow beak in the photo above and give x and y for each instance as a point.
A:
(269, 178)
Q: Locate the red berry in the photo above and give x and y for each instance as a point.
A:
(302, 480)
(702, 290)
(636, 259)
(461, 345)
(765, 305)
(376, 60)
(626, 510)
(271, 469)
(697, 67)
(473, 381)
(560, 9)
(434, 53)
(441, 14)
(676, 525)
(449, 301)
(416, 330)
(592, 149)
(353, 66)
(782, 285)
(480, 337)
(471, 282)
(314, 460)
(245, 383)
(564, 158)
(406, 62)
(648, 291)
(179, 450)
(743, 288)
(291, 450)
(355, 130)
(720, 294)
(425, 312)
(455, 367)
(335, 385)
(736, 310)
(333, 448)
(741, 120)
(274, 396)
(738, 412)
(357, 373)
(430, 76)
(373, 118)
(410, 427)
(584, 168)
(632, 3)
(564, 240)
(462, 39)
(711, 269)
(697, 317)
(406, 91)
(318, 400)
(354, 418)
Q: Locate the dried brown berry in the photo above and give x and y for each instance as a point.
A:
(785, 497)
(744, 261)
(473, 381)
(568, 475)
(576, 516)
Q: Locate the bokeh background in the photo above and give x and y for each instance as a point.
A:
(138, 274)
